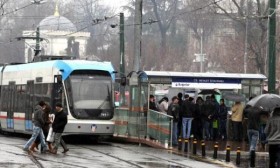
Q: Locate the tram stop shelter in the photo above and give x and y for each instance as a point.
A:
(135, 122)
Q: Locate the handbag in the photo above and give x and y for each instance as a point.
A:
(50, 137)
(215, 123)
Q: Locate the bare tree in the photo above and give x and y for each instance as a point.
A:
(256, 13)
(164, 12)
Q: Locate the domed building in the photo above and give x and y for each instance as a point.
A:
(59, 37)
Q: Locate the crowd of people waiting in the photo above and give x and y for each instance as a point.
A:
(205, 119)
(209, 120)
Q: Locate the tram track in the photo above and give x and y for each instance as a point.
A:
(83, 154)
(174, 163)
(115, 157)
(154, 156)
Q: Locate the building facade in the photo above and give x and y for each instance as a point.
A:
(60, 37)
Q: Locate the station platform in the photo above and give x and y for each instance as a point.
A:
(261, 161)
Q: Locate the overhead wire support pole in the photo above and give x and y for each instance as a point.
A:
(201, 52)
(246, 39)
(37, 46)
(272, 46)
(137, 35)
(122, 60)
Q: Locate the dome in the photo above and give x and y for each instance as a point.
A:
(57, 23)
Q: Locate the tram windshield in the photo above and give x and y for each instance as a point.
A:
(90, 95)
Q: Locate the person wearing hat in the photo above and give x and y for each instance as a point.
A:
(58, 126)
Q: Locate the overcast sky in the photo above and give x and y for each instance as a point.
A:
(115, 3)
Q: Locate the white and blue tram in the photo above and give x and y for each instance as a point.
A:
(85, 89)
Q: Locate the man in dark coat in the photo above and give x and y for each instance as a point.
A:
(38, 123)
(222, 115)
(254, 118)
(207, 116)
(58, 126)
(173, 110)
(188, 109)
(272, 131)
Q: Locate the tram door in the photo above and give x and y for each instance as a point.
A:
(11, 105)
(29, 105)
(57, 90)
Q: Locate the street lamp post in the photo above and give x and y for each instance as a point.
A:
(201, 52)
(272, 46)
(246, 38)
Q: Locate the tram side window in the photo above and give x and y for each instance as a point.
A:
(46, 92)
(38, 92)
(13, 97)
(42, 92)
(5, 98)
(20, 97)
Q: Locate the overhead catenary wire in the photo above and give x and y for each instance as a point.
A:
(196, 9)
(95, 22)
(99, 21)
(17, 9)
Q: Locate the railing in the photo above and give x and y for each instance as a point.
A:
(121, 121)
(154, 127)
(159, 127)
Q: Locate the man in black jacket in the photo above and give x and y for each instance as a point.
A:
(188, 109)
(38, 122)
(58, 126)
(222, 116)
(173, 110)
(207, 116)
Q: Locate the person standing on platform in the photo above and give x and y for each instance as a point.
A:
(188, 109)
(237, 118)
(222, 115)
(180, 102)
(272, 131)
(180, 122)
(197, 121)
(254, 115)
(207, 117)
(152, 103)
(163, 105)
(173, 110)
(215, 124)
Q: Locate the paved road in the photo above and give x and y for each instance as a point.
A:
(84, 155)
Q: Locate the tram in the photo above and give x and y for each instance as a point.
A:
(85, 89)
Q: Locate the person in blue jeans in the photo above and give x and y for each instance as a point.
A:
(254, 117)
(38, 123)
(188, 109)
